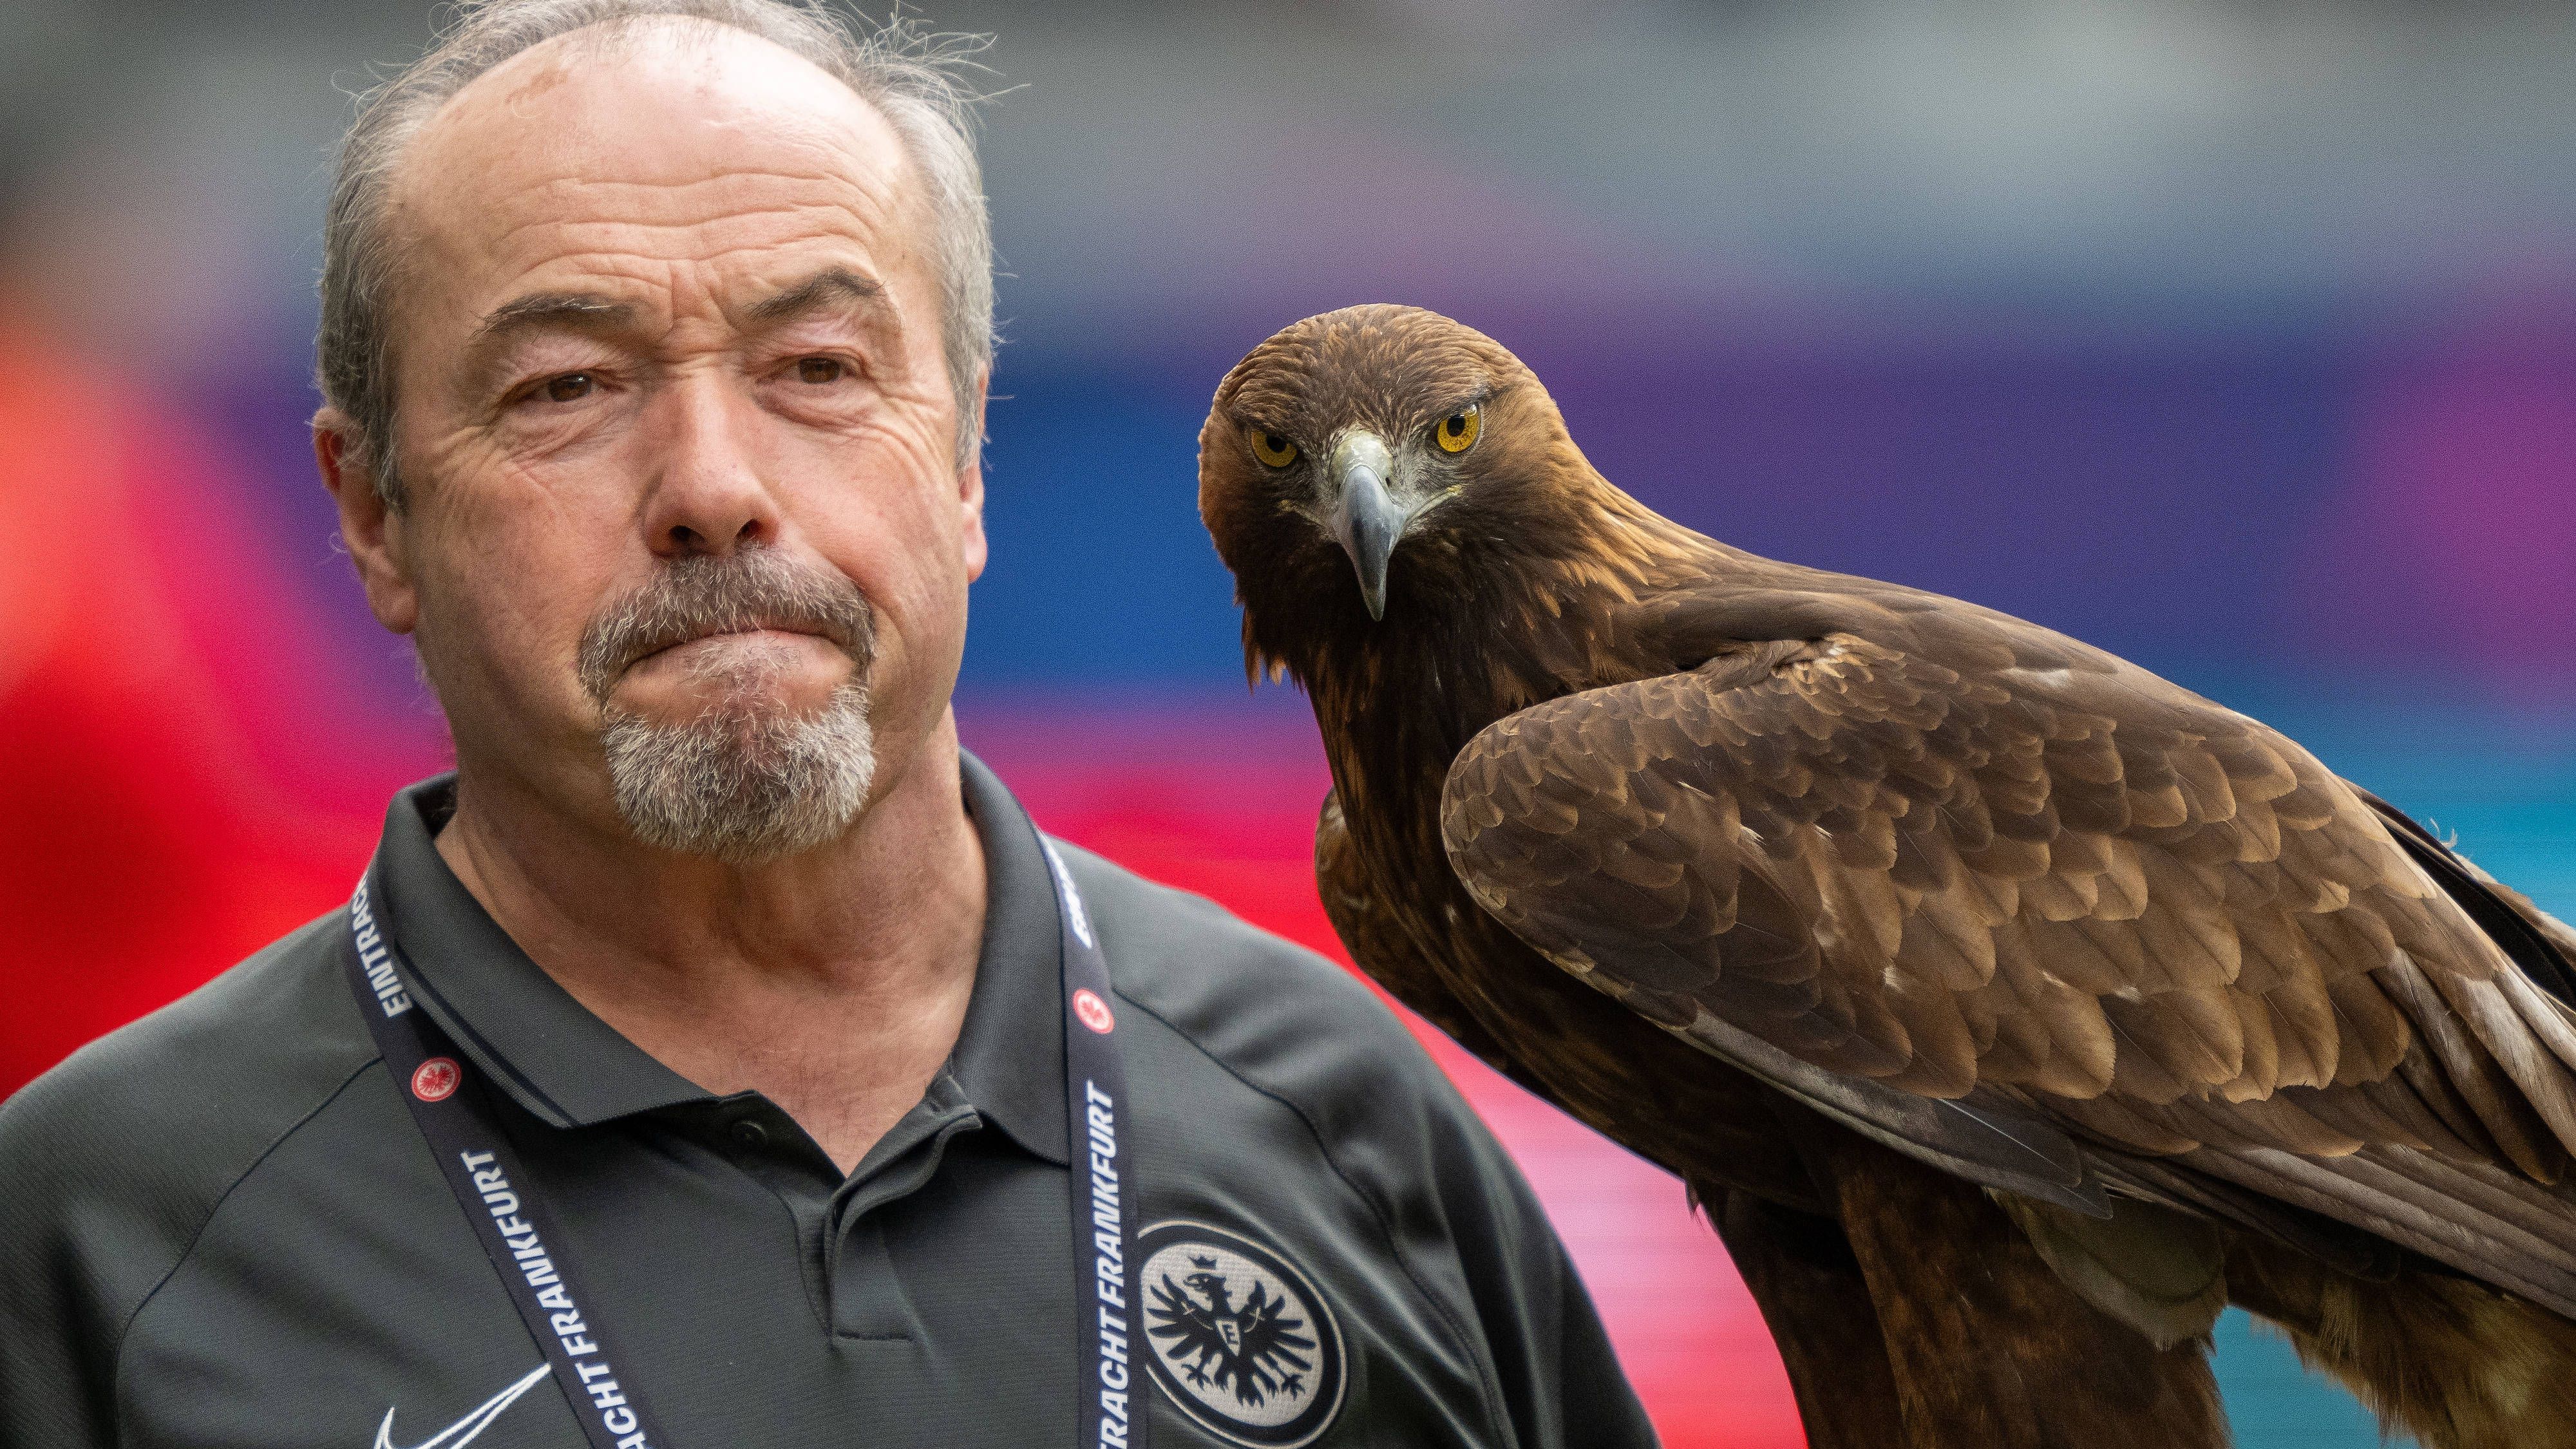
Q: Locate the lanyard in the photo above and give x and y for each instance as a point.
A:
(456, 1114)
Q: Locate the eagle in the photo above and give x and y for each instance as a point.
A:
(1255, 1350)
(2008, 1009)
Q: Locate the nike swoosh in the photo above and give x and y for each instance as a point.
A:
(463, 1431)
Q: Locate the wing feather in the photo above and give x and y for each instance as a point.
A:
(1717, 1125)
(1868, 875)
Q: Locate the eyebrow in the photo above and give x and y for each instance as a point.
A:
(832, 284)
(552, 309)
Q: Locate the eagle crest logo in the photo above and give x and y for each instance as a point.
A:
(1255, 1349)
(1243, 1343)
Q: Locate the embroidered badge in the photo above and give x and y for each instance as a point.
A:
(1243, 1343)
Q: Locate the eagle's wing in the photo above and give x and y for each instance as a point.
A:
(1734, 1150)
(2538, 942)
(1270, 1334)
(2065, 901)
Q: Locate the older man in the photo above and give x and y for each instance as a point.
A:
(718, 1056)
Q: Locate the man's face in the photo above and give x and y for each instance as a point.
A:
(675, 426)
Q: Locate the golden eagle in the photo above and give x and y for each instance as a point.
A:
(2008, 1008)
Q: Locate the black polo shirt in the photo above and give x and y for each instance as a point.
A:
(219, 1226)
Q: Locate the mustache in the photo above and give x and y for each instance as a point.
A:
(724, 594)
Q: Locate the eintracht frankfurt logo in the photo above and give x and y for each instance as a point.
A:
(1243, 1343)
(1091, 1011)
(435, 1080)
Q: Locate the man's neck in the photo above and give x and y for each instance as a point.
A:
(834, 981)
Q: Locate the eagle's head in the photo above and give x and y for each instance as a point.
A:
(1348, 458)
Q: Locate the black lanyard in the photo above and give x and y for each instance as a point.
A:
(455, 1113)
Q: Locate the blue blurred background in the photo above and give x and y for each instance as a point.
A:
(2232, 337)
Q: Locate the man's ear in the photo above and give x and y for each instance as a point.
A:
(372, 532)
(970, 486)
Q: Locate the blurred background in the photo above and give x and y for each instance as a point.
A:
(2234, 337)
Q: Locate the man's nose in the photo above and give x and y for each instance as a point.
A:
(707, 495)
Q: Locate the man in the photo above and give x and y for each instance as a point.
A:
(701, 1063)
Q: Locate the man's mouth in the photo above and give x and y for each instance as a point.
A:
(736, 596)
(735, 631)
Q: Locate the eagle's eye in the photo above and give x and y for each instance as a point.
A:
(1272, 449)
(1457, 432)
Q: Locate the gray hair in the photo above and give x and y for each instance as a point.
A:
(916, 80)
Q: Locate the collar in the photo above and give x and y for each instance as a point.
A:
(1010, 1053)
(568, 1068)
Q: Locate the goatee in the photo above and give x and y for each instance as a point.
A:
(747, 779)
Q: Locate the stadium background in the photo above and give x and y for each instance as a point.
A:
(2234, 337)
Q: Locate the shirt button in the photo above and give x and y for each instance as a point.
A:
(749, 1135)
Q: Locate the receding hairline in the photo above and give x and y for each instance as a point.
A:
(548, 63)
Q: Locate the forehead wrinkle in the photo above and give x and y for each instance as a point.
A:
(715, 221)
(567, 264)
(680, 207)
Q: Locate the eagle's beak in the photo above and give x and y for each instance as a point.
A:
(1366, 517)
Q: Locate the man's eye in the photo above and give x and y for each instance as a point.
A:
(571, 387)
(820, 370)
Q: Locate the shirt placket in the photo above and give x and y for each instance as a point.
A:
(858, 1289)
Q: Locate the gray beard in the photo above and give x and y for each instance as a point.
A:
(745, 780)
(742, 784)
